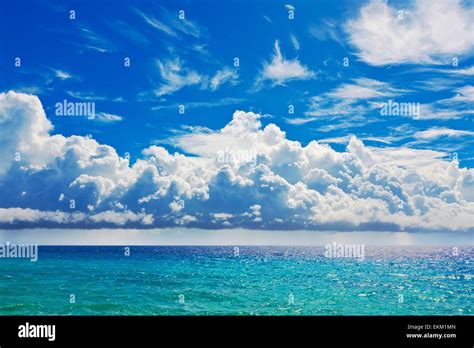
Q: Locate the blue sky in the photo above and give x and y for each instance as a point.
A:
(311, 81)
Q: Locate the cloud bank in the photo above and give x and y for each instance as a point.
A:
(241, 176)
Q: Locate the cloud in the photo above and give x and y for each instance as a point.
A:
(34, 217)
(130, 33)
(464, 95)
(467, 71)
(434, 133)
(295, 42)
(62, 75)
(172, 25)
(85, 95)
(225, 75)
(176, 77)
(443, 138)
(359, 97)
(75, 181)
(107, 118)
(417, 35)
(155, 23)
(463, 72)
(364, 88)
(456, 107)
(281, 70)
(326, 30)
(201, 104)
(94, 41)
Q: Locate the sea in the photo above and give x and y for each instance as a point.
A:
(238, 280)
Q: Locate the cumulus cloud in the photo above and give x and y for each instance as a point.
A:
(77, 182)
(281, 70)
(384, 34)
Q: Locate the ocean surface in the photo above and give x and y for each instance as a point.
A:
(248, 281)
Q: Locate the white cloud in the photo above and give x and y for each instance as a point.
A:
(326, 30)
(455, 107)
(85, 95)
(348, 100)
(364, 88)
(94, 41)
(171, 25)
(62, 75)
(225, 75)
(288, 186)
(434, 133)
(202, 104)
(35, 217)
(295, 42)
(281, 70)
(157, 24)
(466, 71)
(464, 95)
(107, 118)
(428, 32)
(176, 77)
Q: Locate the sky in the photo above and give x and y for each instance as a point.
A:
(309, 116)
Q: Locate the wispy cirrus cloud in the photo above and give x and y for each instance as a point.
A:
(364, 88)
(349, 100)
(157, 24)
(172, 25)
(435, 133)
(295, 42)
(131, 33)
(94, 41)
(201, 104)
(176, 76)
(325, 30)
(105, 117)
(223, 76)
(85, 95)
(456, 107)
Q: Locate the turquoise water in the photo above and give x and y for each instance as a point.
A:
(259, 281)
